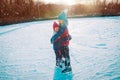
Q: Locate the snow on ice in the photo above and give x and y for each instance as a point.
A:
(26, 52)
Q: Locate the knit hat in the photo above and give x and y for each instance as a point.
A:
(63, 16)
(55, 25)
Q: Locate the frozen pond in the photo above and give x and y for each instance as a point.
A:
(26, 52)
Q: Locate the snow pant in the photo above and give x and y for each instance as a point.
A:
(62, 56)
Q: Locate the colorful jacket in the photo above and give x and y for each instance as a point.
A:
(61, 38)
(64, 38)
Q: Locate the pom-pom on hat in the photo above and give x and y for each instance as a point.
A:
(55, 25)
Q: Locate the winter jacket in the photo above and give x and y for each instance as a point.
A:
(62, 28)
(64, 38)
(61, 38)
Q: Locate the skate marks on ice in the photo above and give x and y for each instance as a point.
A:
(58, 75)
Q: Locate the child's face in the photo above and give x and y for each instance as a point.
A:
(60, 21)
(56, 29)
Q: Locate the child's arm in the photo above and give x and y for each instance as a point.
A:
(59, 33)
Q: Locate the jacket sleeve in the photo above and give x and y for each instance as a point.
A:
(59, 33)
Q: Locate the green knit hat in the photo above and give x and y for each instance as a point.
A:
(63, 16)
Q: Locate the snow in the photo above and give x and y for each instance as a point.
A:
(27, 54)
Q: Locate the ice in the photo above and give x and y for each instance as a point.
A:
(27, 54)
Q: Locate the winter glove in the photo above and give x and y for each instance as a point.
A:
(52, 40)
(69, 37)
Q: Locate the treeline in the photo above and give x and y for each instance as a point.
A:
(13, 11)
(98, 8)
(27, 8)
(111, 8)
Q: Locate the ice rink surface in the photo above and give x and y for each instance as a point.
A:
(27, 54)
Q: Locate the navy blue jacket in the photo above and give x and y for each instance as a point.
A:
(58, 44)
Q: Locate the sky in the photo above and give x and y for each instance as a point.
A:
(69, 2)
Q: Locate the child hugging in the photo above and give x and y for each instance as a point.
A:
(60, 41)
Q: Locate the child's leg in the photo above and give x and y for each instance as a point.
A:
(58, 57)
(65, 53)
